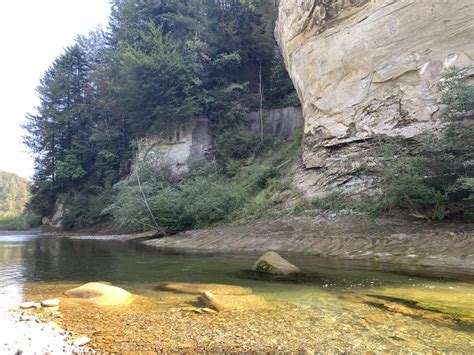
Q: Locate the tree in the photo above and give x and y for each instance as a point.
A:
(58, 131)
(157, 86)
(435, 178)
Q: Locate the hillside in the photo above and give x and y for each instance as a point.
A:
(14, 194)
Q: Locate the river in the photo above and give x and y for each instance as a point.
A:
(336, 306)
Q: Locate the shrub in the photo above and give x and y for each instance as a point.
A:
(433, 178)
(208, 194)
(24, 221)
(169, 208)
(210, 200)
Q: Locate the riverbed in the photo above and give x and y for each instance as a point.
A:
(336, 306)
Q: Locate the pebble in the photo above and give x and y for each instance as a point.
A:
(81, 341)
(27, 305)
(51, 303)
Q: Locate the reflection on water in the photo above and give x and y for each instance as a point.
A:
(334, 302)
(12, 268)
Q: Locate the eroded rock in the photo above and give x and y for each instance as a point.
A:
(101, 294)
(273, 263)
(365, 70)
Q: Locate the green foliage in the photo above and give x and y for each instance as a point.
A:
(433, 179)
(281, 91)
(69, 168)
(457, 92)
(157, 86)
(211, 199)
(14, 194)
(25, 221)
(160, 64)
(206, 196)
(170, 208)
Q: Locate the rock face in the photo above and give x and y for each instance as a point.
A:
(367, 69)
(279, 123)
(272, 263)
(101, 294)
(192, 142)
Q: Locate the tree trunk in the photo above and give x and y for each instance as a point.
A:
(260, 90)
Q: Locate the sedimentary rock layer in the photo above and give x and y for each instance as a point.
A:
(366, 69)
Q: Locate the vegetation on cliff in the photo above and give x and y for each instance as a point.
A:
(160, 64)
(430, 177)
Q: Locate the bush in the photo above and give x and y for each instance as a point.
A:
(433, 179)
(169, 208)
(211, 200)
(25, 221)
(84, 208)
(205, 196)
(128, 210)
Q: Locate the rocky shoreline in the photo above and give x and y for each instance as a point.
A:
(24, 333)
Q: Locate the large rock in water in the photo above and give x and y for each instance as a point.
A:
(101, 294)
(272, 263)
(367, 69)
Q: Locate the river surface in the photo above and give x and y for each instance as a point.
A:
(336, 306)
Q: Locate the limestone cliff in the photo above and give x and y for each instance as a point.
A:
(192, 143)
(367, 69)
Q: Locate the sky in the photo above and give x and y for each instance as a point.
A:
(32, 34)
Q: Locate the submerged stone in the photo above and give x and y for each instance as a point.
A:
(209, 300)
(27, 305)
(101, 294)
(51, 303)
(197, 289)
(273, 263)
(232, 302)
(454, 303)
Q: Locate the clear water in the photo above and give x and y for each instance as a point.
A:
(330, 288)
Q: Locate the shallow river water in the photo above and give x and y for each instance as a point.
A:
(334, 307)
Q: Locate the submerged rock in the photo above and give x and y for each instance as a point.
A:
(27, 305)
(101, 294)
(273, 263)
(451, 302)
(232, 302)
(197, 289)
(51, 303)
(209, 300)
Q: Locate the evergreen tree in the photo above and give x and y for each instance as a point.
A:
(57, 133)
